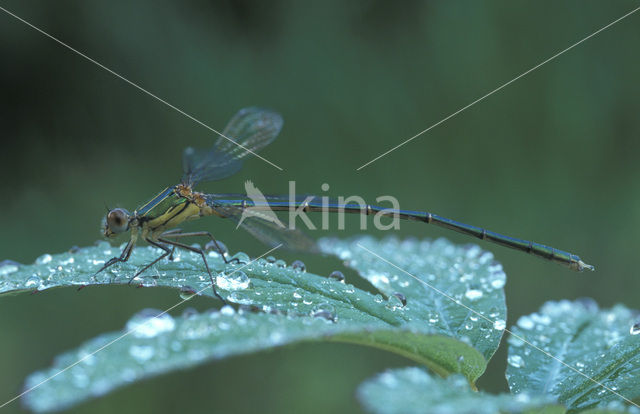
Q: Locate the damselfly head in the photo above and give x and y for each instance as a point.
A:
(116, 221)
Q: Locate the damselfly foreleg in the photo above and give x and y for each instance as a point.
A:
(124, 256)
(167, 252)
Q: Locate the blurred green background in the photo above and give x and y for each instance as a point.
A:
(552, 157)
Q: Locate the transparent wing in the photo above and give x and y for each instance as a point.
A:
(207, 165)
(270, 233)
(250, 130)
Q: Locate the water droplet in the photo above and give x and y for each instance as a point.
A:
(280, 263)
(515, 361)
(337, 275)
(399, 297)
(493, 312)
(526, 322)
(324, 310)
(540, 318)
(227, 310)
(187, 292)
(44, 259)
(33, 282)
(499, 324)
(433, 317)
(67, 261)
(499, 282)
(466, 277)
(270, 307)
(378, 280)
(298, 265)
(635, 329)
(8, 266)
(473, 294)
(239, 298)
(141, 353)
(271, 259)
(236, 280)
(241, 258)
(149, 282)
(221, 248)
(297, 295)
(149, 323)
(468, 325)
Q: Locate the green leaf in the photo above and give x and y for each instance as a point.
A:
(152, 344)
(429, 329)
(412, 390)
(449, 276)
(602, 355)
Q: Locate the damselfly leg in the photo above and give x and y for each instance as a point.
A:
(164, 239)
(167, 252)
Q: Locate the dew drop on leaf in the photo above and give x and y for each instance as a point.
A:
(324, 310)
(218, 248)
(237, 280)
(400, 297)
(526, 322)
(379, 280)
(337, 275)
(299, 266)
(499, 324)
(241, 258)
(473, 294)
(515, 361)
(7, 267)
(33, 282)
(44, 259)
(141, 353)
(227, 310)
(499, 282)
(187, 292)
(149, 323)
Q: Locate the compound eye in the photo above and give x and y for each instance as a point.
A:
(118, 220)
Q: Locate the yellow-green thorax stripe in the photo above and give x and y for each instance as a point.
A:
(160, 204)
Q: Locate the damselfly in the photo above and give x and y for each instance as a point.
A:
(250, 130)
